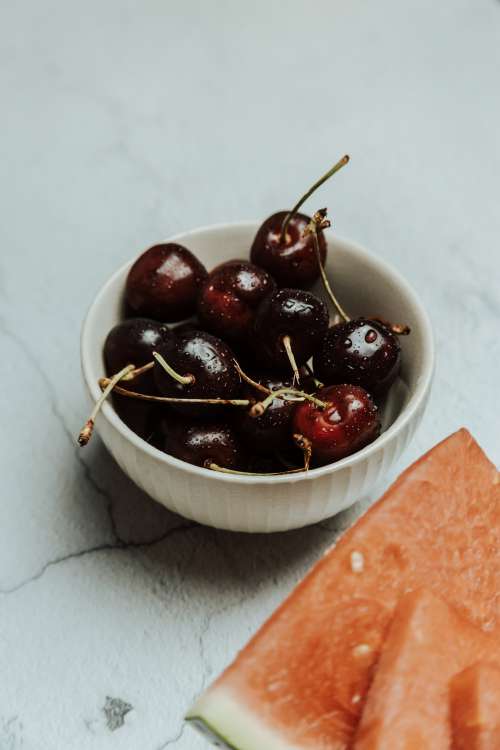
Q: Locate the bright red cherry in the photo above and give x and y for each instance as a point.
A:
(348, 422)
(164, 283)
(230, 296)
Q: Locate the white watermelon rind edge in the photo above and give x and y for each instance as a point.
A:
(219, 715)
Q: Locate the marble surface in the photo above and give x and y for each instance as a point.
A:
(122, 123)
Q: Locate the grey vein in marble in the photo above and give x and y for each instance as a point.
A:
(119, 545)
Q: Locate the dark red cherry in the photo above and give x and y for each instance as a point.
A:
(292, 261)
(230, 296)
(202, 443)
(281, 247)
(164, 283)
(133, 341)
(292, 313)
(348, 423)
(140, 416)
(188, 325)
(361, 351)
(259, 464)
(209, 364)
(270, 431)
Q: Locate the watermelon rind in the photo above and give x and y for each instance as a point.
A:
(227, 723)
(209, 733)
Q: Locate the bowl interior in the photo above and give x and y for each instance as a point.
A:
(364, 284)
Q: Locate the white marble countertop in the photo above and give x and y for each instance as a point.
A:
(122, 123)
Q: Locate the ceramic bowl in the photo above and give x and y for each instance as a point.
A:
(366, 285)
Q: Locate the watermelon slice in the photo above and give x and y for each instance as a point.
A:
(300, 683)
(475, 708)
(407, 704)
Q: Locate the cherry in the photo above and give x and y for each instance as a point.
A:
(202, 443)
(270, 431)
(141, 417)
(362, 352)
(292, 262)
(229, 298)
(282, 247)
(289, 326)
(187, 325)
(258, 464)
(133, 341)
(164, 283)
(200, 366)
(348, 422)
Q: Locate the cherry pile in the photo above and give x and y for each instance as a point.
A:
(252, 378)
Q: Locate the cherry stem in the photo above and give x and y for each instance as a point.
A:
(250, 381)
(223, 470)
(104, 382)
(320, 221)
(317, 383)
(182, 379)
(139, 371)
(86, 431)
(341, 163)
(306, 447)
(400, 329)
(260, 407)
(287, 343)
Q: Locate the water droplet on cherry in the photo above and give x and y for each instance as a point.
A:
(371, 360)
(211, 363)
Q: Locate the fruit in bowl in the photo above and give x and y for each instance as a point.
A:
(235, 396)
(197, 374)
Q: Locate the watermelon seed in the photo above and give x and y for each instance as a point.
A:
(362, 649)
(357, 562)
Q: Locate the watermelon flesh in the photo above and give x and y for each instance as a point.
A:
(301, 681)
(407, 704)
(475, 708)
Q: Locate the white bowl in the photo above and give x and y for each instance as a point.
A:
(366, 285)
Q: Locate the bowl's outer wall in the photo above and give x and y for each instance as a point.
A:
(251, 508)
(365, 286)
